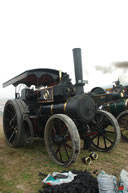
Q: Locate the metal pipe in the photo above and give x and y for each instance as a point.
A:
(78, 70)
(78, 65)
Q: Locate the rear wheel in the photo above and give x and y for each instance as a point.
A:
(12, 123)
(27, 131)
(123, 122)
(104, 131)
(16, 123)
(62, 139)
(27, 128)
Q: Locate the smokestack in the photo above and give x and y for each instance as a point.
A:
(78, 70)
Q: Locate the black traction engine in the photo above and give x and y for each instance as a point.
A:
(51, 107)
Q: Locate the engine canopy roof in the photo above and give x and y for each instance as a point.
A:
(38, 77)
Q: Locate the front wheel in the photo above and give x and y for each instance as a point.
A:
(123, 122)
(104, 131)
(62, 139)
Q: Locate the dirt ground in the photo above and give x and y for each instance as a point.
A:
(20, 167)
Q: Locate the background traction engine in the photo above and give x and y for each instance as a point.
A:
(115, 101)
(59, 112)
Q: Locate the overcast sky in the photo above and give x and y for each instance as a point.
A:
(42, 34)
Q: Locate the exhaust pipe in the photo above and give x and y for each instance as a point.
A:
(78, 71)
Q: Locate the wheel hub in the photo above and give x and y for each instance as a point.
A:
(59, 140)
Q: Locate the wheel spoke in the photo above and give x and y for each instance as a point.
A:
(14, 117)
(11, 128)
(11, 107)
(92, 138)
(57, 150)
(123, 123)
(65, 147)
(13, 133)
(101, 119)
(68, 137)
(60, 154)
(10, 113)
(105, 142)
(53, 128)
(107, 138)
(98, 140)
(94, 122)
(109, 132)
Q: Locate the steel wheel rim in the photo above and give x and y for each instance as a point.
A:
(60, 141)
(104, 135)
(10, 123)
(123, 122)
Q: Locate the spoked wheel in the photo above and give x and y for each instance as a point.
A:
(27, 128)
(12, 123)
(123, 122)
(27, 131)
(62, 140)
(105, 131)
(15, 124)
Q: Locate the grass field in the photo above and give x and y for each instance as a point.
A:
(19, 167)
